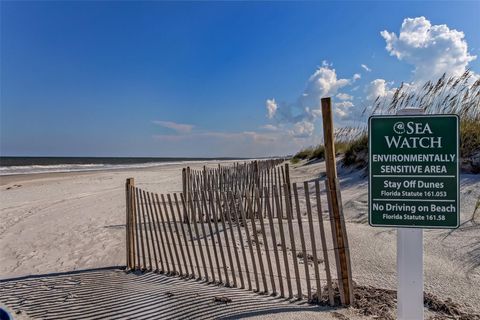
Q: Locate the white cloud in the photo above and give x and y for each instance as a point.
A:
(209, 134)
(431, 49)
(379, 88)
(344, 104)
(340, 113)
(343, 109)
(271, 108)
(324, 82)
(327, 64)
(302, 129)
(298, 118)
(366, 68)
(327, 84)
(344, 96)
(178, 127)
(269, 127)
(232, 144)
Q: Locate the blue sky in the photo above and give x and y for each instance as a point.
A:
(195, 79)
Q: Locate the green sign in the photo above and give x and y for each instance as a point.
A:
(414, 171)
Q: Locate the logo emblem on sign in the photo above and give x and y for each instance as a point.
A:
(399, 128)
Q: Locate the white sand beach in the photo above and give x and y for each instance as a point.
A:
(62, 222)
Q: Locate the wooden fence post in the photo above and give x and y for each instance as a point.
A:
(344, 269)
(184, 181)
(128, 222)
(205, 184)
(188, 189)
(287, 180)
(256, 171)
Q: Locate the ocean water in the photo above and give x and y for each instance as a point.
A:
(28, 165)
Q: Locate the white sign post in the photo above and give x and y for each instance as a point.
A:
(410, 264)
(409, 274)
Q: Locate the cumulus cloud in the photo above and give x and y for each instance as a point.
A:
(344, 104)
(343, 109)
(365, 67)
(178, 127)
(301, 114)
(302, 129)
(431, 49)
(379, 88)
(271, 108)
(344, 96)
(324, 82)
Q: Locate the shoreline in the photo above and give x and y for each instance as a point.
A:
(19, 177)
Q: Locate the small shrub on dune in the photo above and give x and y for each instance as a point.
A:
(470, 144)
(294, 160)
(318, 153)
(469, 136)
(356, 152)
(302, 155)
(310, 153)
(341, 146)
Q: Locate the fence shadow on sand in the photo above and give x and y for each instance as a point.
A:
(115, 294)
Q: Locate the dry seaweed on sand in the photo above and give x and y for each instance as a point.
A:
(222, 299)
(371, 301)
(447, 308)
(338, 315)
(382, 304)
(309, 258)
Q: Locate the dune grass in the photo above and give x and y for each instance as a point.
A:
(448, 95)
(310, 153)
(469, 137)
(356, 152)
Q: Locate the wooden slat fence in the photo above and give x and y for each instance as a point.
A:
(278, 245)
(235, 177)
(240, 178)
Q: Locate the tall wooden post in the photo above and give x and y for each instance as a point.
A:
(128, 222)
(339, 232)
